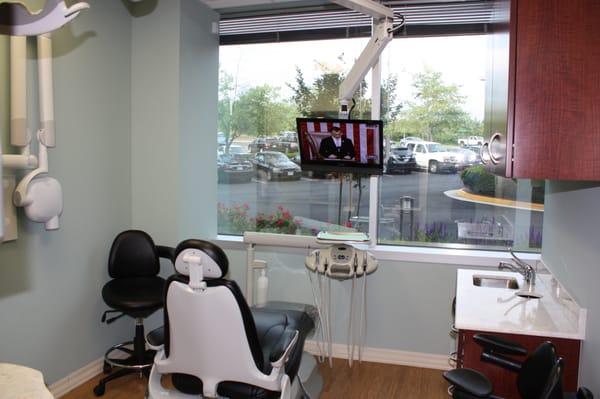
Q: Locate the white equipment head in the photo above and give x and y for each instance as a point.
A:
(16, 20)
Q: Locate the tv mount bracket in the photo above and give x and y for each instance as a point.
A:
(382, 33)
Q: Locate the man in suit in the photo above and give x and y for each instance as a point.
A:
(336, 146)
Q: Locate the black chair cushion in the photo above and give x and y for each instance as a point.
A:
(298, 318)
(135, 296)
(133, 254)
(470, 381)
(234, 390)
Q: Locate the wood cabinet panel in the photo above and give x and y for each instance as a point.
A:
(557, 90)
(505, 382)
(552, 110)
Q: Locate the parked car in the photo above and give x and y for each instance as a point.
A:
(288, 142)
(272, 144)
(410, 140)
(434, 157)
(465, 157)
(289, 136)
(232, 169)
(401, 160)
(257, 145)
(240, 152)
(272, 165)
(471, 140)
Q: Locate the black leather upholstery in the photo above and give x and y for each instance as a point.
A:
(471, 381)
(133, 254)
(210, 249)
(297, 320)
(536, 373)
(135, 296)
(137, 291)
(539, 377)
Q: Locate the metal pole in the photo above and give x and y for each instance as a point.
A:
(375, 115)
(339, 219)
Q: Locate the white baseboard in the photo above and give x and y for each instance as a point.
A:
(81, 376)
(387, 356)
(76, 378)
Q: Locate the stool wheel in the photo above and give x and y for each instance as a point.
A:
(99, 389)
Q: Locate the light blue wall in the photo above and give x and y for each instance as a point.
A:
(174, 106)
(136, 103)
(198, 86)
(174, 94)
(50, 303)
(409, 303)
(571, 249)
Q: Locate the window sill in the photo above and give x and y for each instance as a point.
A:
(446, 256)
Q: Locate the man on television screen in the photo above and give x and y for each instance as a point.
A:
(336, 146)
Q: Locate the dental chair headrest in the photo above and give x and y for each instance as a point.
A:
(213, 259)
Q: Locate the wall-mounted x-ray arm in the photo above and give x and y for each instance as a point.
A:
(16, 20)
(383, 33)
(39, 194)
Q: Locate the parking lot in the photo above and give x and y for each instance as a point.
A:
(432, 210)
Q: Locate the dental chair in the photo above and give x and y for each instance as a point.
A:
(212, 344)
(539, 376)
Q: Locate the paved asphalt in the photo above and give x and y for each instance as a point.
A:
(317, 199)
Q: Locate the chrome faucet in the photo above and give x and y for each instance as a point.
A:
(521, 267)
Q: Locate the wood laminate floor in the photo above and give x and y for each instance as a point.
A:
(367, 380)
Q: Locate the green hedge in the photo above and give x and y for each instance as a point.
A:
(479, 181)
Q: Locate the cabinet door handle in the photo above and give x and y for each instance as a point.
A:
(495, 158)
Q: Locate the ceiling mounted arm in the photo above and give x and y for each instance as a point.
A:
(368, 7)
(382, 33)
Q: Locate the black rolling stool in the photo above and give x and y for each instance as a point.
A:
(136, 291)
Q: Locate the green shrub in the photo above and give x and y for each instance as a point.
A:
(478, 180)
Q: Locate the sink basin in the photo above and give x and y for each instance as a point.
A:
(496, 282)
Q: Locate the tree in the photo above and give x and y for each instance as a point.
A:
(261, 112)
(227, 98)
(321, 99)
(256, 111)
(436, 113)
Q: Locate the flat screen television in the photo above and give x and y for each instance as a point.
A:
(341, 145)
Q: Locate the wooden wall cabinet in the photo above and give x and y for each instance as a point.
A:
(543, 90)
(505, 382)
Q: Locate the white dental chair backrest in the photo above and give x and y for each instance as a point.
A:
(210, 332)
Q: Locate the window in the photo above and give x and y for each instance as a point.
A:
(263, 88)
(448, 199)
(434, 191)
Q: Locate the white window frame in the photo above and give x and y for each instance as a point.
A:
(419, 254)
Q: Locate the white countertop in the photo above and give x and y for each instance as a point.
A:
(489, 309)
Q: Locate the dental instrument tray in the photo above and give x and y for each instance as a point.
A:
(341, 236)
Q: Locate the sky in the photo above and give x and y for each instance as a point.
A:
(460, 59)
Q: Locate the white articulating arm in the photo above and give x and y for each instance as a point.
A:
(37, 192)
(368, 7)
(383, 32)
